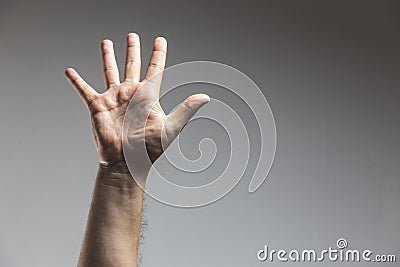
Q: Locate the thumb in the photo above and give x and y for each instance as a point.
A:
(182, 114)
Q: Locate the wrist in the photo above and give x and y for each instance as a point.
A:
(117, 176)
(119, 167)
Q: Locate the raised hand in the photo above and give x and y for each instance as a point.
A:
(113, 227)
(107, 109)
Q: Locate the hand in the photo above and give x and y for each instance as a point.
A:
(107, 109)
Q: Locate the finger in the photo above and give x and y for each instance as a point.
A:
(111, 75)
(157, 60)
(133, 61)
(182, 114)
(86, 92)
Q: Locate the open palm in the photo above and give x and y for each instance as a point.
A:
(107, 110)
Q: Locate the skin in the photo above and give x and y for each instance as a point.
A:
(113, 227)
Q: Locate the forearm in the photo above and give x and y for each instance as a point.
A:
(113, 227)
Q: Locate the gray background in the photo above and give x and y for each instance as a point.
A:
(329, 70)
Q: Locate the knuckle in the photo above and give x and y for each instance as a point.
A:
(159, 52)
(156, 66)
(109, 68)
(187, 105)
(132, 62)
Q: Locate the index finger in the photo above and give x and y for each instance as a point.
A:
(157, 60)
